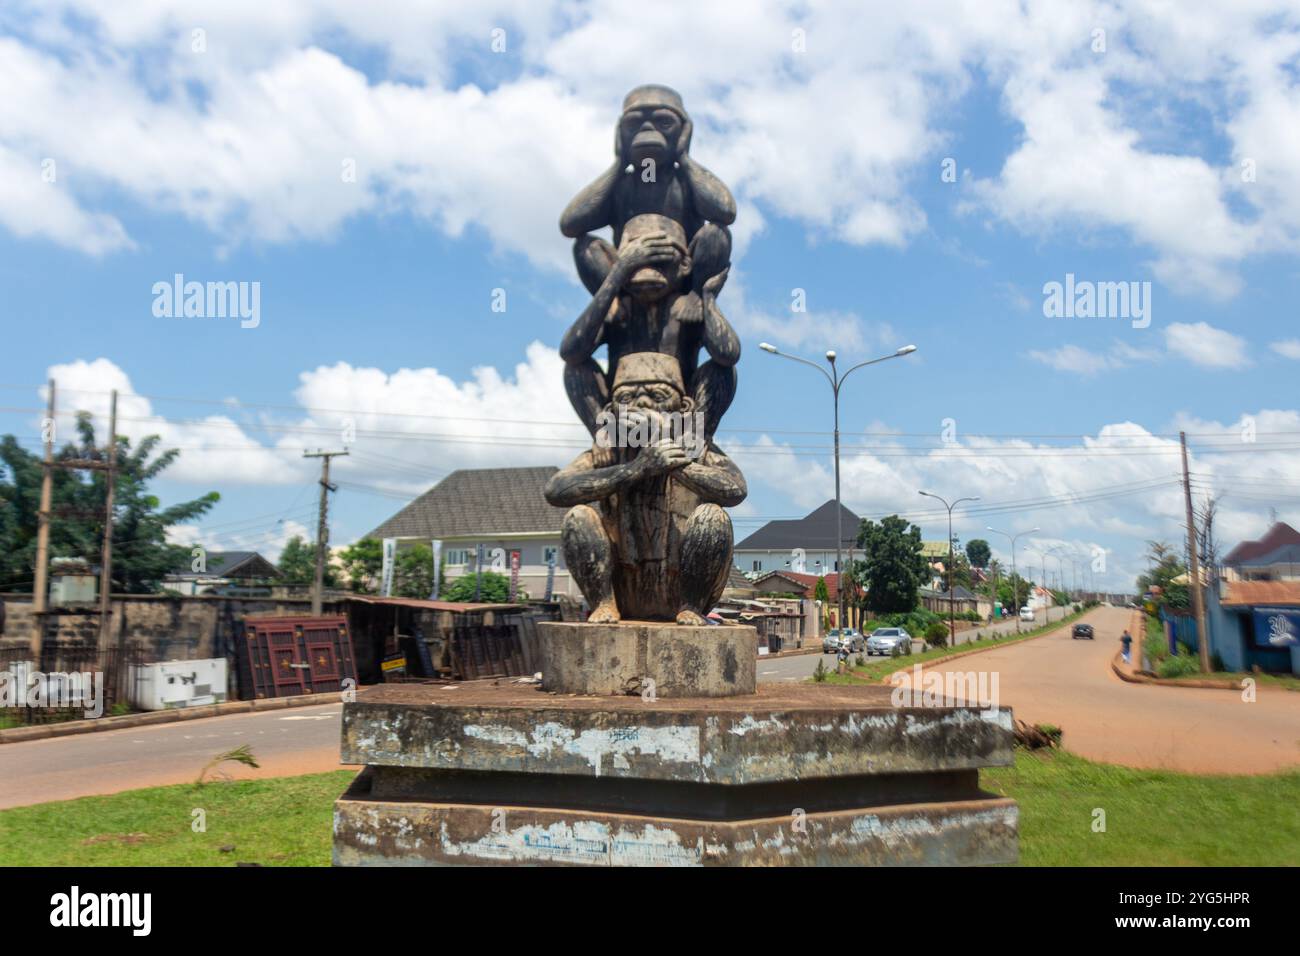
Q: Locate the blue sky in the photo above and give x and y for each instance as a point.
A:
(1126, 164)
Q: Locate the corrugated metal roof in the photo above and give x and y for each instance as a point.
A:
(1246, 593)
(458, 607)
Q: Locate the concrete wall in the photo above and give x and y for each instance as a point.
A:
(170, 627)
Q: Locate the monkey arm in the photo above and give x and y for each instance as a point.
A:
(713, 200)
(592, 208)
(586, 334)
(720, 339)
(715, 478)
(580, 483)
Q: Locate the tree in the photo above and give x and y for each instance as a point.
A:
(978, 552)
(495, 589)
(298, 563)
(142, 556)
(894, 568)
(413, 572)
(961, 572)
(1165, 565)
(363, 563)
(823, 594)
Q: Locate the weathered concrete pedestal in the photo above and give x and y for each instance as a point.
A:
(649, 659)
(792, 774)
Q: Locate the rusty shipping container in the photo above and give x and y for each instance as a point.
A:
(287, 656)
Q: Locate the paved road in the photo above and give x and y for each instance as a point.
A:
(1050, 679)
(1069, 683)
(297, 740)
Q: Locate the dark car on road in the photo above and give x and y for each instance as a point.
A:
(1081, 630)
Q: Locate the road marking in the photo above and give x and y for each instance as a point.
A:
(329, 716)
(764, 673)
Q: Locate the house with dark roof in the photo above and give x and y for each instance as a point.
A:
(1253, 608)
(502, 509)
(1274, 557)
(220, 571)
(803, 546)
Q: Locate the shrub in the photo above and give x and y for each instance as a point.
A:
(936, 634)
(819, 675)
(1181, 666)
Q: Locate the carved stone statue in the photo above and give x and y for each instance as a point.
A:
(656, 287)
(646, 536)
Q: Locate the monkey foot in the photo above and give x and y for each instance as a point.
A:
(606, 612)
(689, 618)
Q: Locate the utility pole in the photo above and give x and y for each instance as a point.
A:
(1198, 604)
(106, 554)
(322, 528)
(40, 587)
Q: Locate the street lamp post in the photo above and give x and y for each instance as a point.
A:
(952, 620)
(1015, 581)
(836, 380)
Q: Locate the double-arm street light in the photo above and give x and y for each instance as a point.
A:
(1015, 583)
(836, 379)
(952, 619)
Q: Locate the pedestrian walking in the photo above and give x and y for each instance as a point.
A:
(1127, 642)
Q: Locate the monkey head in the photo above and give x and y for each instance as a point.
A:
(654, 126)
(648, 402)
(653, 281)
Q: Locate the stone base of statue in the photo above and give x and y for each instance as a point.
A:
(792, 774)
(651, 659)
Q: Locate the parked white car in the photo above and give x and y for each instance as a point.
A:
(1026, 613)
(888, 640)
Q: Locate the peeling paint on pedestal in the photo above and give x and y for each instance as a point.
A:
(669, 744)
(588, 842)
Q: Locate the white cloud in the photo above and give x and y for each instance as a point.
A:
(1114, 490)
(1287, 348)
(248, 137)
(1205, 346)
(393, 423)
(1078, 360)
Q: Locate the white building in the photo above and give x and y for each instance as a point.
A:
(500, 508)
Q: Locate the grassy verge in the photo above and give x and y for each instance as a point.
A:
(278, 821)
(1153, 817)
(878, 670)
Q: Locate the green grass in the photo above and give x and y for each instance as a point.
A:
(879, 670)
(285, 821)
(1153, 817)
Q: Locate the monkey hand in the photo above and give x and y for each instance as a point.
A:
(652, 249)
(713, 284)
(664, 456)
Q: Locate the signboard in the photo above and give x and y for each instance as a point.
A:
(478, 574)
(386, 576)
(437, 567)
(514, 575)
(1277, 627)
